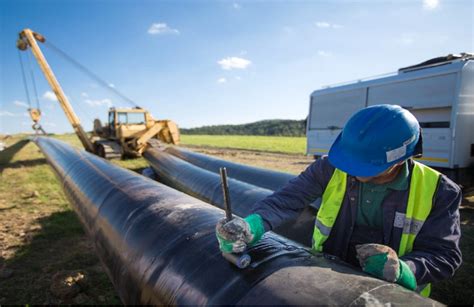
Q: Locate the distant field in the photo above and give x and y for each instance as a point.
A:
(294, 145)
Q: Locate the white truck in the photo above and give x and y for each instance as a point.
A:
(439, 92)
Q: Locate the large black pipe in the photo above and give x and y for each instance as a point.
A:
(158, 246)
(206, 186)
(260, 177)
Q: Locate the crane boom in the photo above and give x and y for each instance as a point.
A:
(30, 38)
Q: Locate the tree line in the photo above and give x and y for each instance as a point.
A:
(273, 127)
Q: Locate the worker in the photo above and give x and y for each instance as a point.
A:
(395, 217)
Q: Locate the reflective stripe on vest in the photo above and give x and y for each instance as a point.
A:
(331, 203)
(423, 184)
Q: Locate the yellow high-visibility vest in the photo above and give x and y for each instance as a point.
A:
(423, 184)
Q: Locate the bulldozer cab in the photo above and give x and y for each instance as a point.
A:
(128, 123)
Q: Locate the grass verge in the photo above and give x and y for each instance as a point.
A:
(292, 145)
(40, 235)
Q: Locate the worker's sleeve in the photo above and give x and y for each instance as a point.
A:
(436, 254)
(286, 203)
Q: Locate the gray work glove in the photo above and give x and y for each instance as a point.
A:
(234, 236)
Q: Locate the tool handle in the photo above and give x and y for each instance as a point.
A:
(225, 191)
(239, 260)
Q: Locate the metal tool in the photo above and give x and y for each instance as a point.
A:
(240, 260)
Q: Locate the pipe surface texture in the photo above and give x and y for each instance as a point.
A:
(206, 186)
(158, 246)
(260, 177)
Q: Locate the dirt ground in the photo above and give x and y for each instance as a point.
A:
(43, 247)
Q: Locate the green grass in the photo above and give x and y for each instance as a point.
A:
(39, 232)
(293, 145)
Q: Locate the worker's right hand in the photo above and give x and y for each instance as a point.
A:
(234, 236)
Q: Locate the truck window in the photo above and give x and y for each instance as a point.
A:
(421, 93)
(136, 118)
(122, 118)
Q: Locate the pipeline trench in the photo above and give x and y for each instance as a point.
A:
(158, 245)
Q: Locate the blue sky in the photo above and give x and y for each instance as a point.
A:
(217, 62)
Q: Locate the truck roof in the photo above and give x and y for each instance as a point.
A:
(442, 60)
(434, 66)
(127, 110)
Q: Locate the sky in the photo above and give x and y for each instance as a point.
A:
(214, 62)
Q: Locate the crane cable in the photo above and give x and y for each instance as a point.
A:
(88, 72)
(34, 82)
(25, 84)
(35, 114)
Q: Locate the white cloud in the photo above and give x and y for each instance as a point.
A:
(322, 24)
(48, 95)
(6, 113)
(324, 53)
(221, 80)
(406, 39)
(21, 104)
(325, 24)
(161, 28)
(85, 95)
(234, 63)
(111, 85)
(430, 4)
(236, 6)
(238, 78)
(99, 102)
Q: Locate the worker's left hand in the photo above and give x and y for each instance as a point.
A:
(382, 262)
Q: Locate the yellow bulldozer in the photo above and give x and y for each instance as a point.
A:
(128, 131)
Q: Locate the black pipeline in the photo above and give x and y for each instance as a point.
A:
(206, 186)
(260, 177)
(158, 246)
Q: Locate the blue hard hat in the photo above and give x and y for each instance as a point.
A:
(374, 139)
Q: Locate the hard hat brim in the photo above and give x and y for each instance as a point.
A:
(343, 159)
